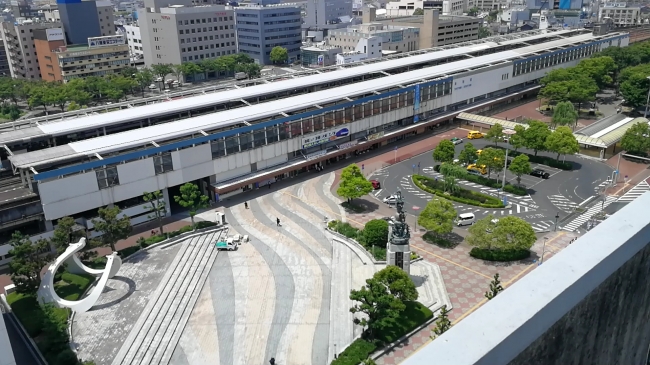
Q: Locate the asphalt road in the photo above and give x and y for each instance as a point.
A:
(557, 196)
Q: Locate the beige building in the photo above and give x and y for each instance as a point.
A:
(375, 39)
(181, 33)
(620, 13)
(435, 29)
(19, 44)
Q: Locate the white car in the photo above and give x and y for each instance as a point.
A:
(159, 79)
(390, 199)
(153, 87)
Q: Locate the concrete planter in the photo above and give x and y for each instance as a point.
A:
(357, 245)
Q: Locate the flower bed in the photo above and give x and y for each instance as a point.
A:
(463, 196)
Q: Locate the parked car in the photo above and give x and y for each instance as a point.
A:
(153, 87)
(375, 184)
(456, 140)
(540, 173)
(474, 135)
(390, 199)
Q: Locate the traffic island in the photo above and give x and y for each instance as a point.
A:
(458, 194)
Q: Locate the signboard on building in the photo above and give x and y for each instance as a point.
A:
(110, 40)
(321, 59)
(315, 155)
(375, 136)
(166, 17)
(54, 34)
(324, 137)
(348, 144)
(416, 102)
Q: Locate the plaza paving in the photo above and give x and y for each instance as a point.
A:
(283, 294)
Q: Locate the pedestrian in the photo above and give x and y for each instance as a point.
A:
(153, 233)
(269, 184)
(272, 361)
(246, 205)
(277, 221)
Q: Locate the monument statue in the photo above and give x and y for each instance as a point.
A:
(398, 251)
(46, 293)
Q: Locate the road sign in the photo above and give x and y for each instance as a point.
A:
(505, 200)
(413, 166)
(395, 148)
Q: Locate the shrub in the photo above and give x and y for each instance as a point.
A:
(26, 308)
(358, 351)
(204, 224)
(414, 315)
(375, 232)
(543, 160)
(462, 196)
(499, 255)
(67, 357)
(347, 230)
(128, 251)
(517, 190)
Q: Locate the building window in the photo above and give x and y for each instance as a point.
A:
(163, 163)
(107, 177)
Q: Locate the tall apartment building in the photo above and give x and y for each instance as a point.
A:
(19, 44)
(323, 12)
(620, 13)
(4, 60)
(260, 28)
(185, 32)
(101, 56)
(85, 19)
(134, 40)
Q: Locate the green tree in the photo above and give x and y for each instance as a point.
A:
(468, 155)
(443, 324)
(130, 72)
(144, 78)
(162, 70)
(438, 216)
(637, 138)
(124, 84)
(450, 174)
(375, 232)
(418, 11)
(517, 140)
(599, 69)
(113, 225)
(535, 136)
(65, 233)
(380, 307)
(493, 159)
(77, 96)
(495, 288)
(368, 361)
(156, 207)
(113, 94)
(74, 106)
(495, 134)
(279, 55)
(520, 166)
(484, 32)
(567, 84)
(190, 69)
(481, 234)
(28, 260)
(252, 70)
(353, 184)
(635, 89)
(473, 11)
(444, 151)
(562, 141)
(564, 114)
(514, 233)
(58, 95)
(192, 199)
(398, 282)
(39, 96)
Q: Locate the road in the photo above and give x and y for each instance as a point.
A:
(557, 196)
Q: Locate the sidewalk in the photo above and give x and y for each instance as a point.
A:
(635, 172)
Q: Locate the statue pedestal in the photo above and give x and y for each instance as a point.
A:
(400, 256)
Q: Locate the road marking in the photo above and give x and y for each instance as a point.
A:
(452, 262)
(378, 192)
(518, 208)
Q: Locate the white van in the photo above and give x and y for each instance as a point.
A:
(465, 219)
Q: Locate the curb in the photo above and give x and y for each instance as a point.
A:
(344, 239)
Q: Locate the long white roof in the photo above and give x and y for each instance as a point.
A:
(185, 127)
(63, 127)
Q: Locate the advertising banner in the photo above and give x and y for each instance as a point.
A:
(416, 100)
(325, 137)
(376, 136)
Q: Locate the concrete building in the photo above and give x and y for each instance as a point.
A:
(85, 19)
(319, 55)
(134, 40)
(435, 29)
(375, 39)
(183, 33)
(58, 62)
(4, 60)
(555, 4)
(350, 57)
(407, 7)
(620, 13)
(19, 44)
(260, 28)
(233, 141)
(324, 12)
(585, 305)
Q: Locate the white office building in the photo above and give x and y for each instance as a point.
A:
(134, 40)
(324, 12)
(228, 143)
(620, 13)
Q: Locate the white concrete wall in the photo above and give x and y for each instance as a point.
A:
(6, 353)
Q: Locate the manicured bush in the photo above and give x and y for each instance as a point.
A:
(347, 230)
(462, 196)
(413, 316)
(358, 351)
(375, 232)
(67, 357)
(499, 255)
(204, 224)
(437, 240)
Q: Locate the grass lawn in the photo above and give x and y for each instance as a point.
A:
(414, 315)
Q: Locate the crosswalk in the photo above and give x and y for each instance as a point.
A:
(562, 203)
(584, 217)
(635, 192)
(543, 226)
(598, 189)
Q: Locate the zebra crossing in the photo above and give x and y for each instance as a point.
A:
(543, 226)
(562, 203)
(635, 192)
(598, 189)
(515, 208)
(584, 217)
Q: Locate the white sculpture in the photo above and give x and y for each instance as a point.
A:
(46, 293)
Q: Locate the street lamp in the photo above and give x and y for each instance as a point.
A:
(543, 251)
(645, 115)
(508, 132)
(557, 216)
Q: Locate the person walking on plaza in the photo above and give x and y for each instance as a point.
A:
(277, 221)
(246, 205)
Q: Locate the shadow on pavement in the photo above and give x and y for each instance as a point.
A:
(130, 291)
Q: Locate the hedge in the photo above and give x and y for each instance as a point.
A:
(464, 196)
(378, 252)
(543, 160)
(493, 183)
(354, 354)
(499, 255)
